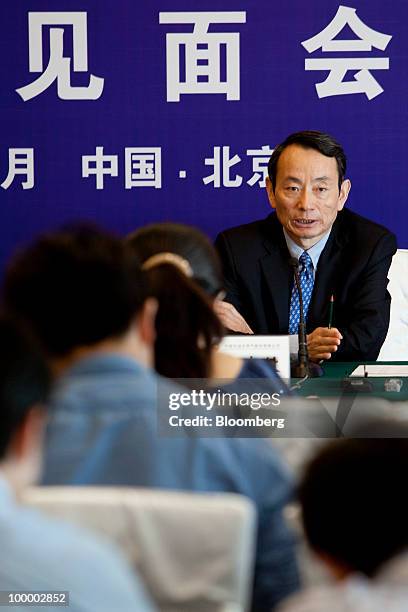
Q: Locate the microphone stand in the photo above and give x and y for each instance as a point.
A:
(304, 367)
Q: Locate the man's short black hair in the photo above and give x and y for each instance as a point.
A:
(75, 287)
(24, 378)
(354, 502)
(324, 143)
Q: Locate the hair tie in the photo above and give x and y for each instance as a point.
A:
(168, 258)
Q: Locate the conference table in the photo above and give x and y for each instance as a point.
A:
(330, 384)
(326, 408)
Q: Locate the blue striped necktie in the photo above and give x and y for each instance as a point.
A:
(306, 283)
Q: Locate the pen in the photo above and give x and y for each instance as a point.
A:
(331, 311)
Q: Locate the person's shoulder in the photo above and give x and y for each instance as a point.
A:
(54, 538)
(316, 599)
(109, 385)
(38, 541)
(361, 226)
(250, 230)
(355, 593)
(249, 239)
(250, 466)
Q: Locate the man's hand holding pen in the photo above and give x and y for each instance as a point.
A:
(322, 342)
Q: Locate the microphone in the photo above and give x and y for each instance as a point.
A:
(304, 367)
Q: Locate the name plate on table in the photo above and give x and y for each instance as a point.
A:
(382, 370)
(260, 347)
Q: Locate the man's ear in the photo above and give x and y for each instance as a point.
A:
(344, 192)
(29, 435)
(146, 321)
(269, 191)
(336, 568)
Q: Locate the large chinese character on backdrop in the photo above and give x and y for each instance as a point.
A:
(59, 66)
(363, 82)
(195, 60)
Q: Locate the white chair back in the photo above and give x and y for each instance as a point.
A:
(194, 551)
(395, 347)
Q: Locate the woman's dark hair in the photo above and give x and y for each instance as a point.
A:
(186, 325)
(319, 141)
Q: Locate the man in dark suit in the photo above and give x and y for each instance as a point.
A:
(342, 256)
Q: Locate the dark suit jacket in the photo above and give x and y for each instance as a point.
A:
(353, 266)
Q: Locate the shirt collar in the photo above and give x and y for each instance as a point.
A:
(314, 252)
(109, 363)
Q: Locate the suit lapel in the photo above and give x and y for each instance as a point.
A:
(277, 272)
(326, 275)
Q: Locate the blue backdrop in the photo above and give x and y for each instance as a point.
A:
(159, 87)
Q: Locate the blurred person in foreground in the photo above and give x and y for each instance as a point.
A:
(184, 274)
(354, 510)
(40, 553)
(83, 293)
